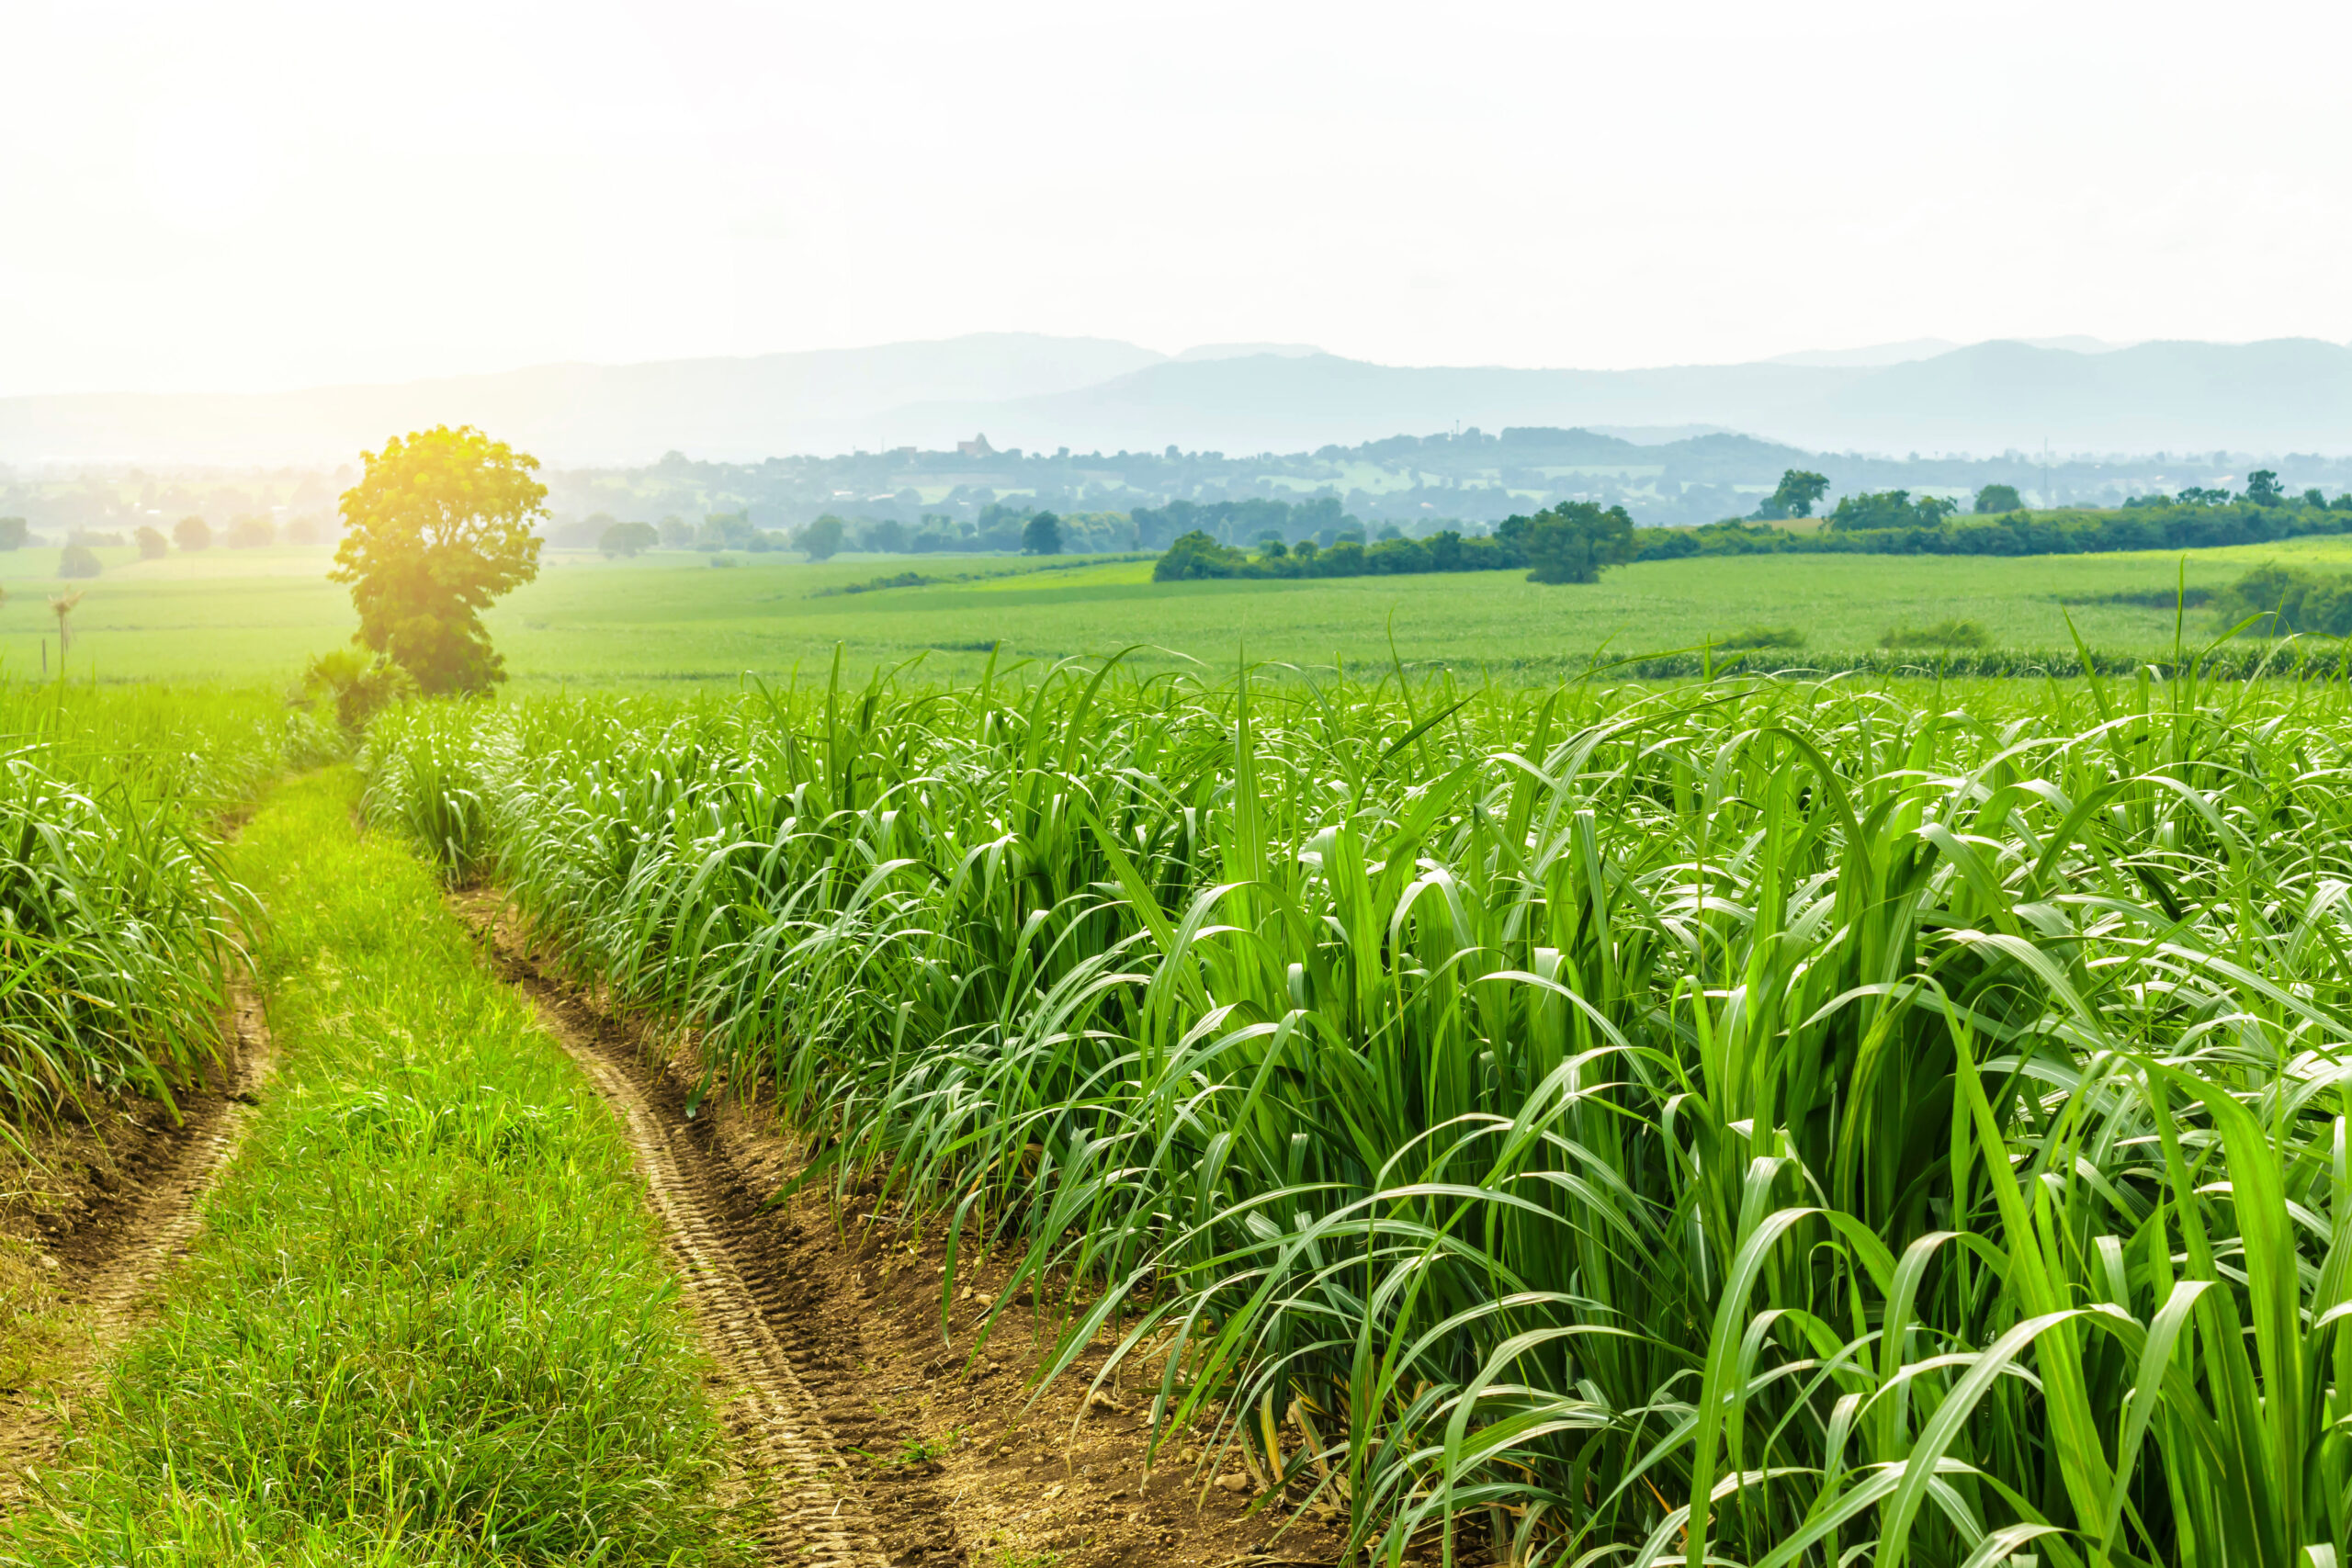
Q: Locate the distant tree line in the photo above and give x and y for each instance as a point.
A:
(80, 559)
(997, 528)
(1320, 519)
(2171, 526)
(1476, 478)
(1573, 542)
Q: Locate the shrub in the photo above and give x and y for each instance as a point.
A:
(1197, 554)
(360, 685)
(1943, 634)
(2149, 598)
(1346, 557)
(1761, 636)
(2289, 601)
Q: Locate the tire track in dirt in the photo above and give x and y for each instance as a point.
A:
(115, 1257)
(171, 1211)
(951, 1459)
(784, 1447)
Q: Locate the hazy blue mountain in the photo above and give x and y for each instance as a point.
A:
(1243, 350)
(1042, 393)
(2288, 394)
(1867, 356)
(1284, 402)
(1882, 354)
(754, 407)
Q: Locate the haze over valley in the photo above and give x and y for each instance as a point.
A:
(1040, 392)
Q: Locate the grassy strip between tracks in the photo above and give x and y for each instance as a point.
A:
(429, 1320)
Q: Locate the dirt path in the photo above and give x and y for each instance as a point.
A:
(885, 1439)
(130, 1206)
(784, 1447)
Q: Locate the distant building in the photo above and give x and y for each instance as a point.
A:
(978, 447)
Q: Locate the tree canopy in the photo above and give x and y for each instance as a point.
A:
(1890, 509)
(1042, 535)
(1800, 491)
(437, 527)
(1993, 499)
(1574, 541)
(821, 539)
(627, 538)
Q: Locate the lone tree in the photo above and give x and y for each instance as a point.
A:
(2262, 487)
(192, 533)
(627, 539)
(437, 527)
(821, 540)
(1573, 542)
(1800, 491)
(1042, 535)
(2000, 499)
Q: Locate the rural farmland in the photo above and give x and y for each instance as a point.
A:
(668, 619)
(1417, 1116)
(1289, 786)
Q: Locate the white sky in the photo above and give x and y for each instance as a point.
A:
(241, 196)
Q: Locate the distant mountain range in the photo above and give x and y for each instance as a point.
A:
(1902, 353)
(1039, 392)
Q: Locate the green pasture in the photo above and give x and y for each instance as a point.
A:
(255, 614)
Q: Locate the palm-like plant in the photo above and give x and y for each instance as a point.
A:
(62, 605)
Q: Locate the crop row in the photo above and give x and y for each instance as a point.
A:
(1757, 1121)
(116, 923)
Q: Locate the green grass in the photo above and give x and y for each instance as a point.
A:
(428, 1322)
(668, 617)
(1766, 1123)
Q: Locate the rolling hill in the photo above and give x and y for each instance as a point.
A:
(1039, 392)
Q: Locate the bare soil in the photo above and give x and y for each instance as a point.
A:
(927, 1457)
(103, 1206)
